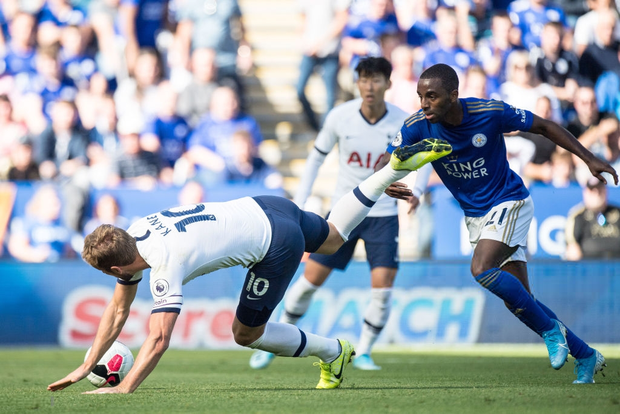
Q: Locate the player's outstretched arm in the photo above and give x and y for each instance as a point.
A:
(112, 322)
(161, 325)
(566, 140)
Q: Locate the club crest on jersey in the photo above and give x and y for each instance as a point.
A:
(479, 140)
(160, 287)
(398, 139)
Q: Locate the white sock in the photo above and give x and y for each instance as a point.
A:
(297, 300)
(354, 206)
(375, 318)
(283, 339)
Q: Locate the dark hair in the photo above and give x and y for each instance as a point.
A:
(448, 77)
(373, 65)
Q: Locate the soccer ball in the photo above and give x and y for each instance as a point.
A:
(112, 367)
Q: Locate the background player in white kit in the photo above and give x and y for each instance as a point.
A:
(362, 128)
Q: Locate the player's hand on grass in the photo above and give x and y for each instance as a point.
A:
(399, 190)
(108, 390)
(75, 376)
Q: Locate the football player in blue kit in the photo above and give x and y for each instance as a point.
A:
(497, 205)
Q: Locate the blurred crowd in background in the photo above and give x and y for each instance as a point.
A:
(102, 94)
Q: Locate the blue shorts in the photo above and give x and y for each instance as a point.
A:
(380, 235)
(294, 232)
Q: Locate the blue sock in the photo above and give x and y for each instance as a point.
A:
(578, 348)
(510, 290)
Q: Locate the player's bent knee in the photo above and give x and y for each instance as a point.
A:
(245, 338)
(246, 335)
(478, 268)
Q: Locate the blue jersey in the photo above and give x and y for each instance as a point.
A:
(530, 20)
(476, 172)
(173, 133)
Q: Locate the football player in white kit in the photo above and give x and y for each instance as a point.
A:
(266, 234)
(362, 128)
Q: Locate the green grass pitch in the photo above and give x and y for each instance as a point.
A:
(480, 379)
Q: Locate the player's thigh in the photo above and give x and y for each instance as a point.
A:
(314, 228)
(500, 236)
(380, 235)
(341, 258)
(267, 280)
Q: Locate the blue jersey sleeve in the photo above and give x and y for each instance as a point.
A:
(408, 134)
(515, 119)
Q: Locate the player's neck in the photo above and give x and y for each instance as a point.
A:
(373, 112)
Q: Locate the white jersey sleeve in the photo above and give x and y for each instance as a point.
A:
(324, 143)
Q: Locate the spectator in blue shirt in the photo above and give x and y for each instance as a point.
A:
(49, 82)
(246, 167)
(166, 133)
(53, 16)
(210, 145)
(447, 49)
(362, 34)
(493, 50)
(139, 23)
(38, 236)
(19, 57)
(75, 63)
(529, 16)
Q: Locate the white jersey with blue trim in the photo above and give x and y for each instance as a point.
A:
(185, 242)
(477, 171)
(360, 147)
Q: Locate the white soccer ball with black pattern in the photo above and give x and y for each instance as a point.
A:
(112, 367)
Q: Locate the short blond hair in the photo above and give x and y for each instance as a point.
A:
(109, 246)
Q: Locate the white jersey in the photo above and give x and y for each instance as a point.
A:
(185, 242)
(360, 146)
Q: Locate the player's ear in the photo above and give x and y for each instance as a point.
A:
(454, 95)
(116, 270)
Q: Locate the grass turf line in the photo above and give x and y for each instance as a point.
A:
(222, 382)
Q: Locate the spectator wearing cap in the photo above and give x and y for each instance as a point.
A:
(593, 227)
(133, 166)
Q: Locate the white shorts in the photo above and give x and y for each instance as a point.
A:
(508, 223)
